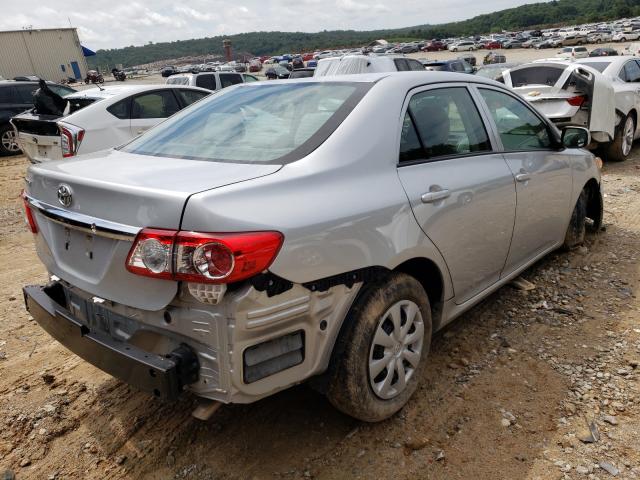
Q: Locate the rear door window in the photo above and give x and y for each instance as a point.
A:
(444, 122)
(401, 64)
(632, 71)
(206, 81)
(159, 104)
(7, 94)
(25, 93)
(228, 79)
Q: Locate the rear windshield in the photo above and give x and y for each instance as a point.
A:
(76, 104)
(177, 81)
(275, 123)
(536, 75)
(600, 66)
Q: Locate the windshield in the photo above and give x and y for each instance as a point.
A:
(536, 75)
(261, 123)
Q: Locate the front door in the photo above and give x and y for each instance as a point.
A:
(461, 191)
(542, 174)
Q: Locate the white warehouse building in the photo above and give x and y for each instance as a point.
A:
(51, 53)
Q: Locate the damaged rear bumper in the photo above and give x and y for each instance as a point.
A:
(163, 376)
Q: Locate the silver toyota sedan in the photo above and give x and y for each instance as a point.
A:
(323, 228)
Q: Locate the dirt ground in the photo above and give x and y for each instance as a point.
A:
(509, 393)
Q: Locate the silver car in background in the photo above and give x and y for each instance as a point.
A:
(285, 230)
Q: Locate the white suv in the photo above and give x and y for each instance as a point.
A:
(573, 52)
(211, 80)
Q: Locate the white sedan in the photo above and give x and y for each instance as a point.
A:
(585, 93)
(100, 118)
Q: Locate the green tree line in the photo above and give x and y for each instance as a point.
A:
(535, 15)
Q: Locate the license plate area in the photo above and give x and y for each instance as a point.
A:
(99, 317)
(81, 252)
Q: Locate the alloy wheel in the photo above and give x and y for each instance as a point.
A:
(627, 136)
(396, 349)
(9, 141)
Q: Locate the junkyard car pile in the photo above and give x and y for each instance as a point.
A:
(179, 261)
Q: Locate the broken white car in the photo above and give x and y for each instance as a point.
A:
(624, 74)
(577, 94)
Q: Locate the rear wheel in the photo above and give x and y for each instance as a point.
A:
(619, 149)
(8, 141)
(381, 355)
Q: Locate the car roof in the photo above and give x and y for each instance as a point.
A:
(409, 79)
(124, 90)
(28, 82)
(610, 59)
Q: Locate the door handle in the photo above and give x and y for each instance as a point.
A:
(432, 197)
(523, 177)
(140, 132)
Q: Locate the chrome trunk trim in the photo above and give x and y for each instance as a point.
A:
(84, 223)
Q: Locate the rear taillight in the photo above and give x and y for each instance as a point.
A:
(28, 213)
(70, 139)
(576, 101)
(202, 257)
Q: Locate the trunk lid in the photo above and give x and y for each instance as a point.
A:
(38, 136)
(128, 190)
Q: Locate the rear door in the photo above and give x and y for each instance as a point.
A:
(460, 188)
(150, 108)
(542, 174)
(207, 81)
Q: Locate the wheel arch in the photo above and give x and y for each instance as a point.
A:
(430, 277)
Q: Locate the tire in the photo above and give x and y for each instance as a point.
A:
(454, 50)
(368, 345)
(619, 149)
(577, 225)
(623, 39)
(8, 143)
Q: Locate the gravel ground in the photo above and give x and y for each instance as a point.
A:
(539, 384)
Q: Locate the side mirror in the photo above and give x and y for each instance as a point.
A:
(575, 137)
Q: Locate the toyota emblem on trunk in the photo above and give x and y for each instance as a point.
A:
(64, 195)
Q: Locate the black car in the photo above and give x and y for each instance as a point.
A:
(168, 70)
(603, 52)
(448, 66)
(15, 98)
(277, 72)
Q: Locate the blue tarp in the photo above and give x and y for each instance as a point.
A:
(86, 52)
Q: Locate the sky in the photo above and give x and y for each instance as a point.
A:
(119, 23)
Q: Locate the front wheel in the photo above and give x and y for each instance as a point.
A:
(619, 149)
(383, 350)
(454, 49)
(577, 225)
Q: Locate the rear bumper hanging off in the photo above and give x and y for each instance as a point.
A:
(163, 376)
